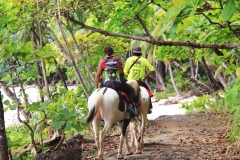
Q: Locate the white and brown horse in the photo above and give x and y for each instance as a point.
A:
(104, 103)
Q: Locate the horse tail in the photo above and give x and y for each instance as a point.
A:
(96, 102)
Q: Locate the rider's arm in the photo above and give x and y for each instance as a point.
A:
(148, 73)
(126, 68)
(150, 69)
(99, 73)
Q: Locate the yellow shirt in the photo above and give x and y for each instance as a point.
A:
(138, 70)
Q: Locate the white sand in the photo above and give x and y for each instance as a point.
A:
(160, 109)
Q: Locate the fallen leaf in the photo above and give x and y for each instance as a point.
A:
(176, 135)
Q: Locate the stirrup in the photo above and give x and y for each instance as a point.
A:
(131, 111)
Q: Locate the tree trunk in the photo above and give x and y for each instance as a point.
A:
(3, 139)
(59, 72)
(197, 82)
(46, 85)
(173, 82)
(39, 81)
(220, 77)
(160, 73)
(192, 68)
(192, 71)
(214, 84)
(196, 70)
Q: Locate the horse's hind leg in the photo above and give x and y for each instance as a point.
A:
(104, 131)
(123, 125)
(95, 125)
(142, 129)
(134, 140)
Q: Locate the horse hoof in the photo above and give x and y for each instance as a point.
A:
(130, 153)
(99, 158)
(139, 152)
(120, 157)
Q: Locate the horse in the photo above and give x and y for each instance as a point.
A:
(103, 103)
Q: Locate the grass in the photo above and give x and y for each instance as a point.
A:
(163, 95)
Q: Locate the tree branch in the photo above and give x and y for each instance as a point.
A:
(212, 21)
(145, 28)
(197, 82)
(234, 31)
(152, 41)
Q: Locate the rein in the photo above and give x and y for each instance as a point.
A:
(103, 91)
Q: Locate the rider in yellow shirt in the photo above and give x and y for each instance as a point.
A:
(135, 69)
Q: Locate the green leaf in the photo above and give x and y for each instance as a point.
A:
(174, 27)
(157, 1)
(28, 47)
(63, 115)
(228, 71)
(235, 110)
(232, 66)
(193, 4)
(13, 107)
(6, 78)
(134, 2)
(78, 128)
(232, 94)
(7, 102)
(34, 106)
(70, 92)
(238, 72)
(57, 125)
(47, 102)
(228, 10)
(23, 76)
(9, 49)
(68, 125)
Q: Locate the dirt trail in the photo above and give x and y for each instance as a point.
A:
(177, 137)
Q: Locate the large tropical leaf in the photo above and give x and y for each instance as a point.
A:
(228, 10)
(193, 4)
(134, 2)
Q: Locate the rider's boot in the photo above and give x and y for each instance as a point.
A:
(131, 110)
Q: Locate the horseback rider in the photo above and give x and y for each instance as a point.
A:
(135, 69)
(110, 69)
